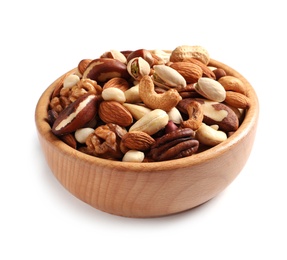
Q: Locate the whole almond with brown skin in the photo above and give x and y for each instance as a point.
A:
(70, 140)
(116, 113)
(83, 64)
(218, 72)
(191, 72)
(117, 82)
(237, 100)
(137, 140)
(76, 115)
(232, 83)
(206, 72)
(58, 87)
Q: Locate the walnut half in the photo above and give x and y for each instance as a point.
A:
(105, 141)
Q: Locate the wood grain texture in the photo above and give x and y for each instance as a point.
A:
(148, 189)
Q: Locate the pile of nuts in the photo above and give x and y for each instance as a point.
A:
(147, 105)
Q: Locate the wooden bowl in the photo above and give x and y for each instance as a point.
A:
(148, 189)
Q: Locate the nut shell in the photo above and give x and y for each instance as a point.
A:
(210, 89)
(143, 53)
(138, 67)
(166, 76)
(151, 122)
(184, 52)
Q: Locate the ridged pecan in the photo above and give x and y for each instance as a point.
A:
(173, 145)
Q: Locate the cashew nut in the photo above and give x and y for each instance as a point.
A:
(209, 136)
(195, 113)
(165, 101)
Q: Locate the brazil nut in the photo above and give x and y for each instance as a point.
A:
(76, 115)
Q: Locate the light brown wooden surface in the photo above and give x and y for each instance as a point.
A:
(148, 189)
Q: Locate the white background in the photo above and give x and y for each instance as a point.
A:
(41, 40)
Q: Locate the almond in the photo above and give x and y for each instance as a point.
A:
(70, 140)
(83, 64)
(206, 71)
(137, 140)
(237, 100)
(114, 112)
(117, 82)
(233, 83)
(191, 72)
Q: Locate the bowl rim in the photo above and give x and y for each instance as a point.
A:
(247, 125)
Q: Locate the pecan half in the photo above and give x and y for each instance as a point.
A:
(173, 145)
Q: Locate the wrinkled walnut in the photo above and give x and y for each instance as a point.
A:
(82, 87)
(68, 95)
(59, 103)
(105, 141)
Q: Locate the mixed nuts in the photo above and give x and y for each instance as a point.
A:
(146, 106)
